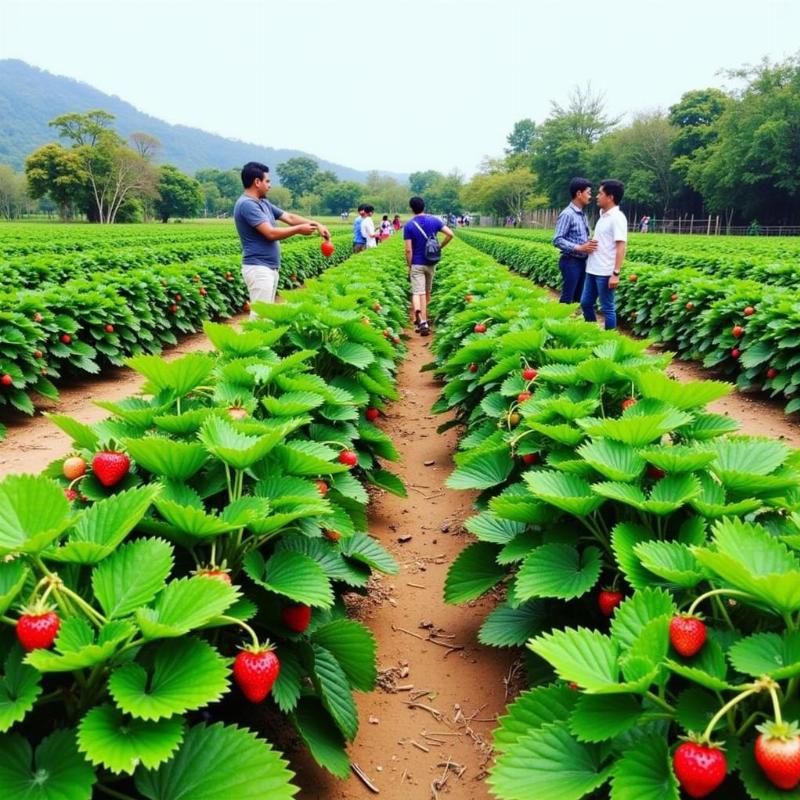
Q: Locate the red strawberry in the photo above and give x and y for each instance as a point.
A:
(255, 670)
(655, 473)
(473, 367)
(178, 298)
(66, 338)
(37, 353)
(772, 373)
(689, 306)
(396, 339)
(110, 467)
(608, 600)
(73, 468)
(327, 248)
(37, 629)
(468, 298)
(6, 380)
(376, 307)
(322, 487)
(70, 494)
(628, 402)
(348, 457)
(700, 768)
(523, 396)
(749, 311)
(246, 307)
(109, 328)
(736, 352)
(331, 535)
(296, 617)
(372, 414)
(687, 634)
(633, 278)
(777, 752)
(674, 297)
(737, 331)
(173, 308)
(203, 291)
(480, 328)
(530, 458)
(529, 374)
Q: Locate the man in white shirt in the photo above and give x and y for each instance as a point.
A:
(604, 265)
(368, 227)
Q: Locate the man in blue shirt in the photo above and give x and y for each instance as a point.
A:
(255, 218)
(416, 233)
(359, 242)
(572, 239)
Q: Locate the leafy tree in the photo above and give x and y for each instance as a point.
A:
(521, 139)
(281, 197)
(444, 194)
(341, 196)
(309, 204)
(500, 192)
(418, 182)
(83, 129)
(299, 175)
(695, 116)
(387, 194)
(179, 195)
(14, 199)
(221, 188)
(145, 144)
(57, 172)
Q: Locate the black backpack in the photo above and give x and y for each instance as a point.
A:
(433, 250)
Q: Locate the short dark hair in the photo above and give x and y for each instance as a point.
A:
(613, 188)
(417, 205)
(578, 185)
(251, 171)
(368, 208)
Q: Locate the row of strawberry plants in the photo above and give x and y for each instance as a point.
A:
(85, 324)
(142, 574)
(609, 495)
(742, 328)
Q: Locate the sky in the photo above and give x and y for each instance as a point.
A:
(401, 86)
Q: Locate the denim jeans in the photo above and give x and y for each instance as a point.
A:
(597, 286)
(572, 274)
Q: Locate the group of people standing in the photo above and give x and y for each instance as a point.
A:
(591, 264)
(365, 234)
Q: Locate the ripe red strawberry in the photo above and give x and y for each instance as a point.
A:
(70, 494)
(674, 297)
(178, 298)
(529, 374)
(608, 600)
(749, 311)
(6, 380)
(348, 457)
(387, 334)
(327, 248)
(736, 352)
(689, 306)
(376, 307)
(480, 328)
(255, 670)
(737, 331)
(772, 373)
(66, 338)
(331, 535)
(468, 298)
(530, 458)
(37, 353)
(203, 291)
(777, 752)
(173, 308)
(699, 768)
(523, 396)
(322, 487)
(109, 328)
(372, 414)
(628, 402)
(110, 467)
(687, 634)
(655, 473)
(215, 573)
(296, 617)
(237, 412)
(473, 367)
(633, 278)
(37, 317)
(73, 467)
(246, 307)
(37, 628)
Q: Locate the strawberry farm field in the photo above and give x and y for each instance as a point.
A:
(319, 554)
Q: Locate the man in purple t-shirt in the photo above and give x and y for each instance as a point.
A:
(416, 233)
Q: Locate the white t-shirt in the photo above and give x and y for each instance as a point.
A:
(612, 227)
(367, 231)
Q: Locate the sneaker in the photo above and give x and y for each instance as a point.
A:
(424, 329)
(417, 320)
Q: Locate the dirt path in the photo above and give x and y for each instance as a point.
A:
(458, 692)
(33, 442)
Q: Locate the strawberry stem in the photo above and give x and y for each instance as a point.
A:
(775, 704)
(714, 593)
(243, 624)
(724, 710)
(90, 612)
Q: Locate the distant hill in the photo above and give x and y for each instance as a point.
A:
(31, 97)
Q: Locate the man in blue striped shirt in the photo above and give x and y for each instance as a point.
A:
(572, 239)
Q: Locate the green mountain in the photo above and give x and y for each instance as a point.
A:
(31, 97)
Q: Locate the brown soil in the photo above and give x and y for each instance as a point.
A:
(426, 731)
(33, 442)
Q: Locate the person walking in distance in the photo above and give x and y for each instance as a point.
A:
(368, 232)
(359, 242)
(256, 223)
(605, 263)
(573, 241)
(416, 234)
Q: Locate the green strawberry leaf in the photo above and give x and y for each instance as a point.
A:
(20, 686)
(473, 573)
(323, 739)
(644, 772)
